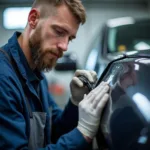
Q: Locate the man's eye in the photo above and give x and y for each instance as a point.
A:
(60, 33)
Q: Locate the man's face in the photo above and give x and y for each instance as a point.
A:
(51, 37)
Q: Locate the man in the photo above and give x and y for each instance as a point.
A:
(29, 117)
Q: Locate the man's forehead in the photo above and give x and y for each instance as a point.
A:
(67, 17)
(70, 26)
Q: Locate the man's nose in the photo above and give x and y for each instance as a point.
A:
(63, 45)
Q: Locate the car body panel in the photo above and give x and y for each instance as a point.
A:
(125, 123)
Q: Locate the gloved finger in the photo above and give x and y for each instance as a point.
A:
(100, 95)
(86, 100)
(99, 87)
(99, 92)
(96, 91)
(85, 73)
(94, 75)
(101, 105)
(89, 98)
(76, 81)
(84, 95)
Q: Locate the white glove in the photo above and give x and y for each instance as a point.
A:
(90, 109)
(77, 87)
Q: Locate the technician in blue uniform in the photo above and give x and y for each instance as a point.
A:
(29, 118)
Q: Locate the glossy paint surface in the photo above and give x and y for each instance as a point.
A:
(125, 123)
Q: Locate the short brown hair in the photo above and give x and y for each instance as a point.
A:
(75, 7)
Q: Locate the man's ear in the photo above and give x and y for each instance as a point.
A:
(33, 18)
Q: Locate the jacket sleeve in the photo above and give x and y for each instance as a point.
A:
(13, 134)
(70, 141)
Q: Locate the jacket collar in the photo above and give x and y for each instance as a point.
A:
(21, 61)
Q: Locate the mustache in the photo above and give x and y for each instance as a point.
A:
(56, 52)
(40, 53)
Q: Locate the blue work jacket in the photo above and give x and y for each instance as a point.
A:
(61, 134)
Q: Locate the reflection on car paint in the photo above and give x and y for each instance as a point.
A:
(125, 123)
(116, 70)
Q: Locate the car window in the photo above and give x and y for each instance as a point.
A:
(129, 37)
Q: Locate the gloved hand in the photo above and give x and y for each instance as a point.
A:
(77, 87)
(90, 109)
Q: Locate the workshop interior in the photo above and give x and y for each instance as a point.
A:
(115, 43)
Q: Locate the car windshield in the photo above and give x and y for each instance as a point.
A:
(129, 37)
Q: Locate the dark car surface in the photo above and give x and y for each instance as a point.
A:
(125, 123)
(119, 35)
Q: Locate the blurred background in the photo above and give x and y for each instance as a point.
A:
(13, 16)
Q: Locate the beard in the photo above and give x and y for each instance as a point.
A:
(39, 55)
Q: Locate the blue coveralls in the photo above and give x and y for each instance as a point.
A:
(14, 116)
